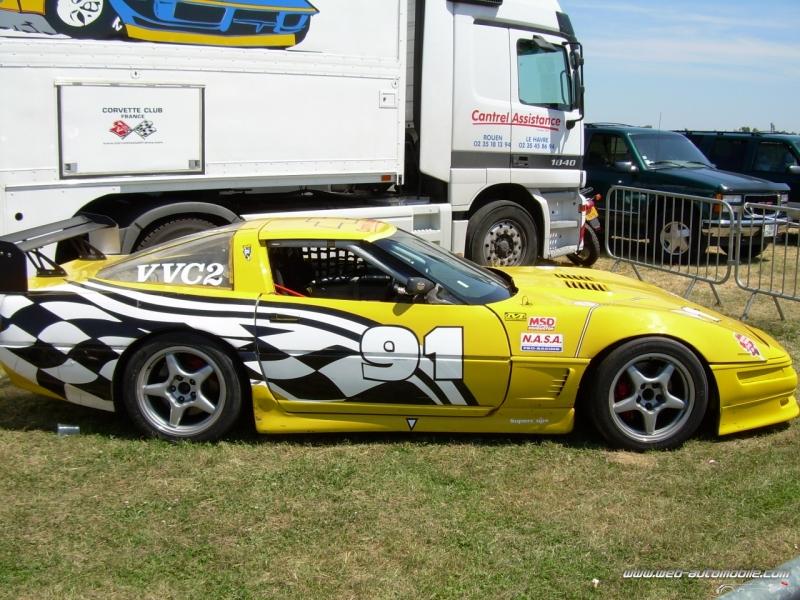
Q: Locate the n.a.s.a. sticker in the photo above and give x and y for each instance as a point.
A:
(542, 342)
(748, 344)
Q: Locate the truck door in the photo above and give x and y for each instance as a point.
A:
(481, 102)
(546, 150)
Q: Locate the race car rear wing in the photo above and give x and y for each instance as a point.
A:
(16, 247)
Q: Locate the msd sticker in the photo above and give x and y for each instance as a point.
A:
(542, 342)
(748, 344)
(542, 323)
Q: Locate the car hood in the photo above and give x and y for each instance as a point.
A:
(626, 307)
(710, 179)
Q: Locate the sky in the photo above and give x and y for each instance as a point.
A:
(707, 64)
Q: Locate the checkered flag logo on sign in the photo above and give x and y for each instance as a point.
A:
(145, 129)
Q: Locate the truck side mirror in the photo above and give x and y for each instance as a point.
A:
(794, 169)
(626, 166)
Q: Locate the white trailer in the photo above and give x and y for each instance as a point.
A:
(459, 121)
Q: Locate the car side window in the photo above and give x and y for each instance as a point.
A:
(201, 260)
(327, 270)
(728, 154)
(772, 157)
(607, 149)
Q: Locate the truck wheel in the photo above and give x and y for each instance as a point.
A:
(502, 234)
(182, 387)
(82, 18)
(171, 230)
(651, 393)
(591, 250)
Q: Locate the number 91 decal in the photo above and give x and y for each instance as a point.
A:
(391, 353)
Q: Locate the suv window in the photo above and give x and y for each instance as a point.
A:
(728, 154)
(606, 149)
(773, 157)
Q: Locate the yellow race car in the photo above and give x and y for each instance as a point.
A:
(321, 324)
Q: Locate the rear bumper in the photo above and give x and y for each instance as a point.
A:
(757, 395)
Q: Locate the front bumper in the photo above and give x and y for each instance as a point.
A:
(756, 395)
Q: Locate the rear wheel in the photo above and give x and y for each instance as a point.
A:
(182, 387)
(502, 234)
(651, 393)
(171, 230)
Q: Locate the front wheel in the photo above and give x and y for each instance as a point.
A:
(590, 252)
(676, 236)
(651, 393)
(83, 18)
(502, 234)
(182, 387)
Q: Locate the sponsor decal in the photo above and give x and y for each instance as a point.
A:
(186, 273)
(513, 316)
(247, 251)
(748, 344)
(122, 130)
(542, 323)
(542, 342)
(547, 123)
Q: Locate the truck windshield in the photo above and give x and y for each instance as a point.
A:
(662, 150)
(466, 281)
(543, 76)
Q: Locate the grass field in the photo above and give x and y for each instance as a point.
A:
(108, 515)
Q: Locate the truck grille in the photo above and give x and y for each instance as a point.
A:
(762, 198)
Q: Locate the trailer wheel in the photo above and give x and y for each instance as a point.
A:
(171, 230)
(502, 234)
(83, 18)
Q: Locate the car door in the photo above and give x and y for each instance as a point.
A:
(341, 343)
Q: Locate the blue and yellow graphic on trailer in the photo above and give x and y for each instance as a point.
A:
(241, 23)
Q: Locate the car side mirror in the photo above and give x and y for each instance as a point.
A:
(794, 169)
(418, 286)
(626, 166)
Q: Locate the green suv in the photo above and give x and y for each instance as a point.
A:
(667, 162)
(773, 156)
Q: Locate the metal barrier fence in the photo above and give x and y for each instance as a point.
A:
(770, 263)
(706, 240)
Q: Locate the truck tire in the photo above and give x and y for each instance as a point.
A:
(89, 19)
(171, 230)
(502, 234)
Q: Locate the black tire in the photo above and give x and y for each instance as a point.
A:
(182, 387)
(662, 383)
(591, 250)
(82, 19)
(172, 230)
(502, 234)
(676, 236)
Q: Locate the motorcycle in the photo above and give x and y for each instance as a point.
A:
(592, 232)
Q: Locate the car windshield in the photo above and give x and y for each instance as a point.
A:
(662, 150)
(466, 281)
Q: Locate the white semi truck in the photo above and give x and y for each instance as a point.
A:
(457, 120)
